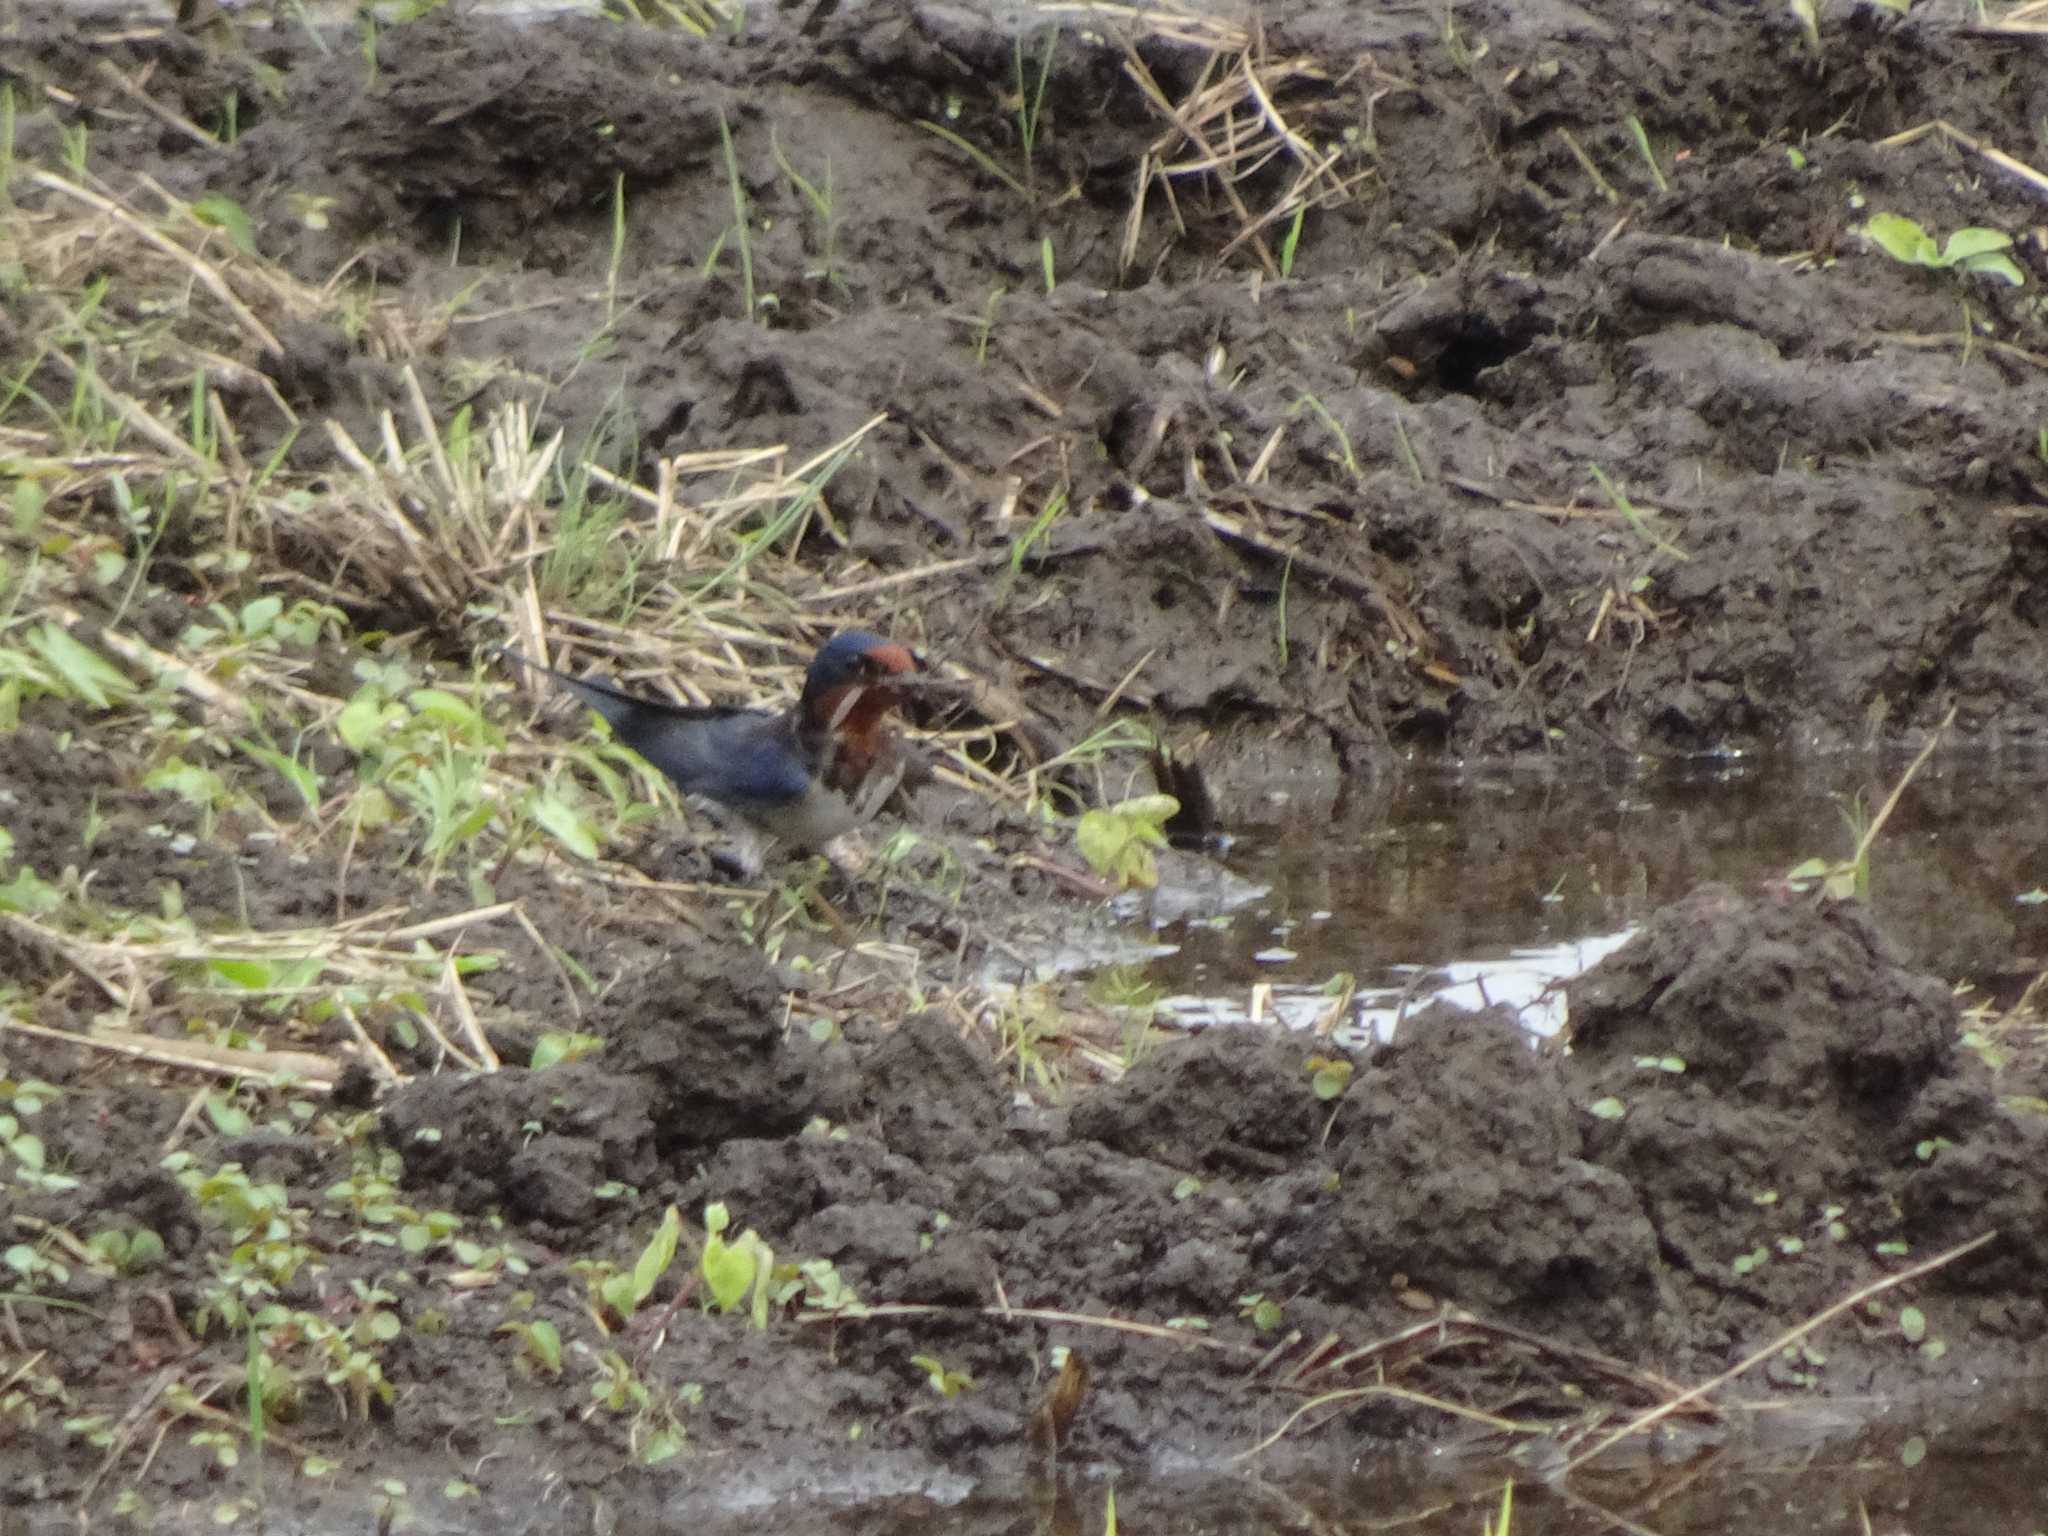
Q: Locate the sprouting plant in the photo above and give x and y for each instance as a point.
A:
(1309, 404)
(1807, 14)
(1328, 1075)
(1117, 840)
(1030, 110)
(1025, 1020)
(741, 214)
(1505, 1523)
(1291, 241)
(985, 326)
(734, 1270)
(1264, 1312)
(824, 213)
(1974, 250)
(622, 1293)
(70, 668)
(944, 1380)
(1031, 100)
(556, 1047)
(1633, 515)
(1641, 137)
(540, 1344)
(1041, 526)
(1851, 876)
(427, 751)
(132, 1253)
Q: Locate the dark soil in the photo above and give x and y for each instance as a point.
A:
(1858, 493)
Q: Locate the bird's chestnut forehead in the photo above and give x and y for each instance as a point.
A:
(891, 657)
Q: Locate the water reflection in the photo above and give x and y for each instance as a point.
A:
(1497, 883)
(1964, 1464)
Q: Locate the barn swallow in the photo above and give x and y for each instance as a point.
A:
(802, 776)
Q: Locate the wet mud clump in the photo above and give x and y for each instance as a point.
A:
(1760, 1111)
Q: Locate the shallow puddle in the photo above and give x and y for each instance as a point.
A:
(1963, 1465)
(1492, 885)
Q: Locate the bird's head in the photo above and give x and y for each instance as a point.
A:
(848, 686)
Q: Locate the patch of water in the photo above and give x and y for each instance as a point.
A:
(1495, 885)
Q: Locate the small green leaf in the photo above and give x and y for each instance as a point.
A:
(228, 1117)
(1328, 1077)
(1998, 266)
(558, 1046)
(296, 774)
(225, 213)
(560, 819)
(1609, 1108)
(728, 1271)
(258, 614)
(452, 711)
(1964, 244)
(1913, 1452)
(29, 893)
(1901, 239)
(1913, 1324)
(250, 975)
(656, 1257)
(1101, 836)
(90, 676)
(361, 720)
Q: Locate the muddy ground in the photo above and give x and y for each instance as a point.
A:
(1315, 521)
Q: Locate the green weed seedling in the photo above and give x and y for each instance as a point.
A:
(1309, 405)
(819, 197)
(944, 1380)
(1264, 1312)
(131, 1253)
(742, 215)
(818, 1283)
(1328, 1076)
(1029, 97)
(540, 1345)
(1506, 1521)
(1117, 840)
(1974, 251)
(23, 1158)
(623, 1293)
(735, 1270)
(657, 1432)
(430, 751)
(1027, 1020)
(57, 664)
(559, 1047)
